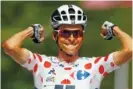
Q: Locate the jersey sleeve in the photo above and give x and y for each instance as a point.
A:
(34, 61)
(105, 64)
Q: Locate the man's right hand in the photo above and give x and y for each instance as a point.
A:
(41, 33)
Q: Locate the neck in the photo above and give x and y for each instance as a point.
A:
(68, 58)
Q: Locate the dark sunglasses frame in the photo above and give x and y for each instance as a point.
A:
(68, 33)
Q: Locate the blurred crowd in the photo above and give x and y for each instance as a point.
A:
(103, 5)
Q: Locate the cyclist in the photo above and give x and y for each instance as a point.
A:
(67, 70)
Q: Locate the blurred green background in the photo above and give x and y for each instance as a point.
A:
(17, 16)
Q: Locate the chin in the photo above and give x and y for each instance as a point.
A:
(71, 53)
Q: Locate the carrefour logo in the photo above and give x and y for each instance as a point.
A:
(80, 74)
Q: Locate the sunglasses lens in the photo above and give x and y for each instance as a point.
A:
(75, 34)
(67, 34)
(80, 33)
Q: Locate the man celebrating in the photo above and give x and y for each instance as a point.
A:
(67, 70)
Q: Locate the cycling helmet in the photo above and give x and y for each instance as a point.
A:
(68, 14)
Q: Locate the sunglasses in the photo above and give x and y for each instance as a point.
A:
(68, 33)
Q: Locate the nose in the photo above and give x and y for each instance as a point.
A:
(71, 38)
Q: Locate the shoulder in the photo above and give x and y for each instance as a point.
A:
(41, 57)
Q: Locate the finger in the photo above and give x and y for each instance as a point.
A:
(41, 39)
(31, 28)
(41, 35)
(103, 26)
(32, 31)
(102, 35)
(103, 32)
(41, 29)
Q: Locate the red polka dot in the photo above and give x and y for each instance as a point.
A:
(40, 58)
(29, 61)
(34, 56)
(106, 57)
(67, 68)
(112, 64)
(101, 69)
(105, 74)
(97, 60)
(42, 79)
(47, 64)
(72, 75)
(35, 68)
(66, 81)
(88, 66)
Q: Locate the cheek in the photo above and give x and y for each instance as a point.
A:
(80, 40)
(61, 41)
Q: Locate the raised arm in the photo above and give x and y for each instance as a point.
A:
(125, 53)
(13, 46)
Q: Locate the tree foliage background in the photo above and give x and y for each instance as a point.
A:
(17, 16)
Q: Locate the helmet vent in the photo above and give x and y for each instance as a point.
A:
(71, 11)
(72, 17)
(79, 12)
(63, 12)
(57, 18)
(65, 18)
(79, 17)
(84, 17)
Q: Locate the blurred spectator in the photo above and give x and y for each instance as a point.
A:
(103, 5)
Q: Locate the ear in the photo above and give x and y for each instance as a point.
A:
(55, 36)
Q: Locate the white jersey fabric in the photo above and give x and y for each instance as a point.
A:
(85, 73)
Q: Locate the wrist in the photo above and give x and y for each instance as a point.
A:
(30, 32)
(116, 30)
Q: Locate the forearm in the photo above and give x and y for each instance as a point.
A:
(124, 38)
(125, 53)
(17, 39)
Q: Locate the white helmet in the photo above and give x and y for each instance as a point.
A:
(68, 14)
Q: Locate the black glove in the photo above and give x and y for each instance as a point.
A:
(109, 27)
(36, 35)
